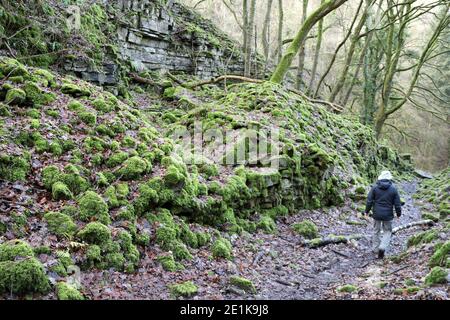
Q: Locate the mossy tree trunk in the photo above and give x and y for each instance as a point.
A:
(390, 103)
(286, 61)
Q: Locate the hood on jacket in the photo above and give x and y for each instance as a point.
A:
(385, 175)
(384, 184)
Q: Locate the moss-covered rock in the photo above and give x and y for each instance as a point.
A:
(20, 272)
(169, 264)
(133, 168)
(185, 289)
(267, 224)
(222, 248)
(67, 291)
(13, 249)
(348, 288)
(95, 233)
(23, 276)
(60, 224)
(441, 255)
(14, 168)
(74, 90)
(15, 96)
(422, 237)
(306, 229)
(37, 96)
(92, 206)
(61, 191)
(437, 275)
(243, 283)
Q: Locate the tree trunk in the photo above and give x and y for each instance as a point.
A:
(355, 38)
(286, 61)
(302, 54)
(280, 30)
(265, 34)
(316, 54)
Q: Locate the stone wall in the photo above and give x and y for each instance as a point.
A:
(164, 36)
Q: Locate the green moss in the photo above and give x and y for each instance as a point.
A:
(243, 283)
(169, 264)
(67, 291)
(422, 237)
(14, 168)
(87, 117)
(74, 90)
(222, 249)
(185, 289)
(44, 77)
(4, 110)
(95, 233)
(15, 96)
(23, 276)
(133, 168)
(35, 124)
(431, 216)
(347, 288)
(166, 237)
(36, 96)
(306, 229)
(437, 275)
(116, 159)
(61, 191)
(267, 224)
(33, 113)
(60, 224)
(180, 251)
(94, 254)
(101, 105)
(440, 255)
(14, 249)
(93, 206)
(111, 197)
(75, 105)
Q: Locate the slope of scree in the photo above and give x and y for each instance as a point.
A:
(87, 180)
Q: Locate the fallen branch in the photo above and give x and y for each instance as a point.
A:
(341, 254)
(397, 270)
(221, 78)
(143, 80)
(320, 242)
(285, 283)
(413, 224)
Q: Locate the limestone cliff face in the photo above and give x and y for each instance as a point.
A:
(163, 36)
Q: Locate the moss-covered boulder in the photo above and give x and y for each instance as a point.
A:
(20, 272)
(92, 206)
(306, 229)
(95, 233)
(60, 224)
(437, 275)
(66, 291)
(441, 255)
(185, 289)
(243, 283)
(222, 248)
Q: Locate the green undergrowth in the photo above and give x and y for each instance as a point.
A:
(437, 192)
(116, 183)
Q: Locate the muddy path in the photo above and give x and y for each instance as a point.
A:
(279, 266)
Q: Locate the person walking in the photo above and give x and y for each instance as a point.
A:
(382, 199)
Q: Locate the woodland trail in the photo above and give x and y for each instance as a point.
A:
(277, 264)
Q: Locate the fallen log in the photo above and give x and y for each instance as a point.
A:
(413, 224)
(331, 239)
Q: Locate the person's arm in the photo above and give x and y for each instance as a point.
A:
(397, 204)
(370, 200)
